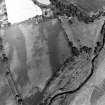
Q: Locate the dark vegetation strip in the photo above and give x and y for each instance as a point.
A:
(73, 49)
(70, 44)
